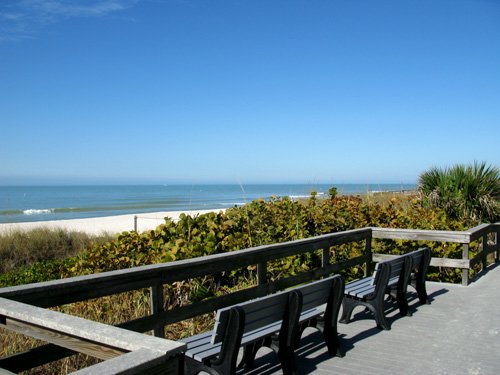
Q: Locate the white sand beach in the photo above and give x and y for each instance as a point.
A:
(107, 224)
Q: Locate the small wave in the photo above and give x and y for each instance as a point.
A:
(33, 211)
(299, 196)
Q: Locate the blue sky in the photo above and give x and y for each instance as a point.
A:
(173, 91)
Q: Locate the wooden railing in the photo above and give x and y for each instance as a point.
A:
(481, 232)
(22, 308)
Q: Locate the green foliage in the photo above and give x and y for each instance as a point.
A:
(470, 193)
(38, 272)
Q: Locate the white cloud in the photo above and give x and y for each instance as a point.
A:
(21, 19)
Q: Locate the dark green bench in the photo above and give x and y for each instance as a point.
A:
(321, 301)
(393, 277)
(273, 321)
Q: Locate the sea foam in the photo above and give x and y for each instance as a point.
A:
(34, 211)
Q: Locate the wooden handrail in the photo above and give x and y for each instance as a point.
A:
(81, 335)
(106, 283)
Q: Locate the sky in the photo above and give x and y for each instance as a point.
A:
(246, 91)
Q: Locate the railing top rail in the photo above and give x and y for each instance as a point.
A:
(111, 282)
(419, 234)
(480, 230)
(58, 325)
(434, 235)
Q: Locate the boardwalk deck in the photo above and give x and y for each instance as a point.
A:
(459, 333)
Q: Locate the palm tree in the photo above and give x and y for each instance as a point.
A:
(469, 192)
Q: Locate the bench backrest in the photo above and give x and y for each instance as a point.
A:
(396, 268)
(258, 313)
(403, 265)
(421, 257)
(319, 292)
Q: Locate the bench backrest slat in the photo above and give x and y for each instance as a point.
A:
(376, 274)
(417, 256)
(396, 265)
(258, 313)
(316, 293)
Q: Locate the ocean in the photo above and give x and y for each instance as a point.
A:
(40, 203)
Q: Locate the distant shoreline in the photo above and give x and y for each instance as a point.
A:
(105, 224)
(19, 204)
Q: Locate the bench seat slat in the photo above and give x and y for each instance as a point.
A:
(258, 313)
(357, 282)
(200, 347)
(361, 292)
(361, 288)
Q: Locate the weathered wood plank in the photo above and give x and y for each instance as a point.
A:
(78, 334)
(479, 231)
(465, 272)
(80, 345)
(435, 262)
(156, 302)
(421, 235)
(142, 361)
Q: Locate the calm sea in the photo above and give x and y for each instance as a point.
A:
(38, 203)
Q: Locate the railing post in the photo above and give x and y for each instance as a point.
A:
(484, 249)
(368, 253)
(497, 253)
(261, 273)
(497, 245)
(465, 271)
(325, 257)
(135, 223)
(156, 302)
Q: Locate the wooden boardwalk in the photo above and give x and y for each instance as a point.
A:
(459, 333)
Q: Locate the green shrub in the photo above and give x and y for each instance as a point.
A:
(20, 249)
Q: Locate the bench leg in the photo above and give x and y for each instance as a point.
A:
(377, 308)
(422, 293)
(348, 305)
(400, 298)
(250, 351)
(193, 367)
(287, 360)
(331, 338)
(402, 304)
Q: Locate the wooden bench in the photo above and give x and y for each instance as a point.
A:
(392, 277)
(321, 301)
(216, 352)
(275, 321)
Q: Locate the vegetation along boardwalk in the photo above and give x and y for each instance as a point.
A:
(459, 333)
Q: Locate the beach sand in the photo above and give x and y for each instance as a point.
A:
(107, 224)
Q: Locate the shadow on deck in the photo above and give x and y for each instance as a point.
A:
(459, 333)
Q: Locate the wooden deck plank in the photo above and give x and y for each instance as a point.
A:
(459, 333)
